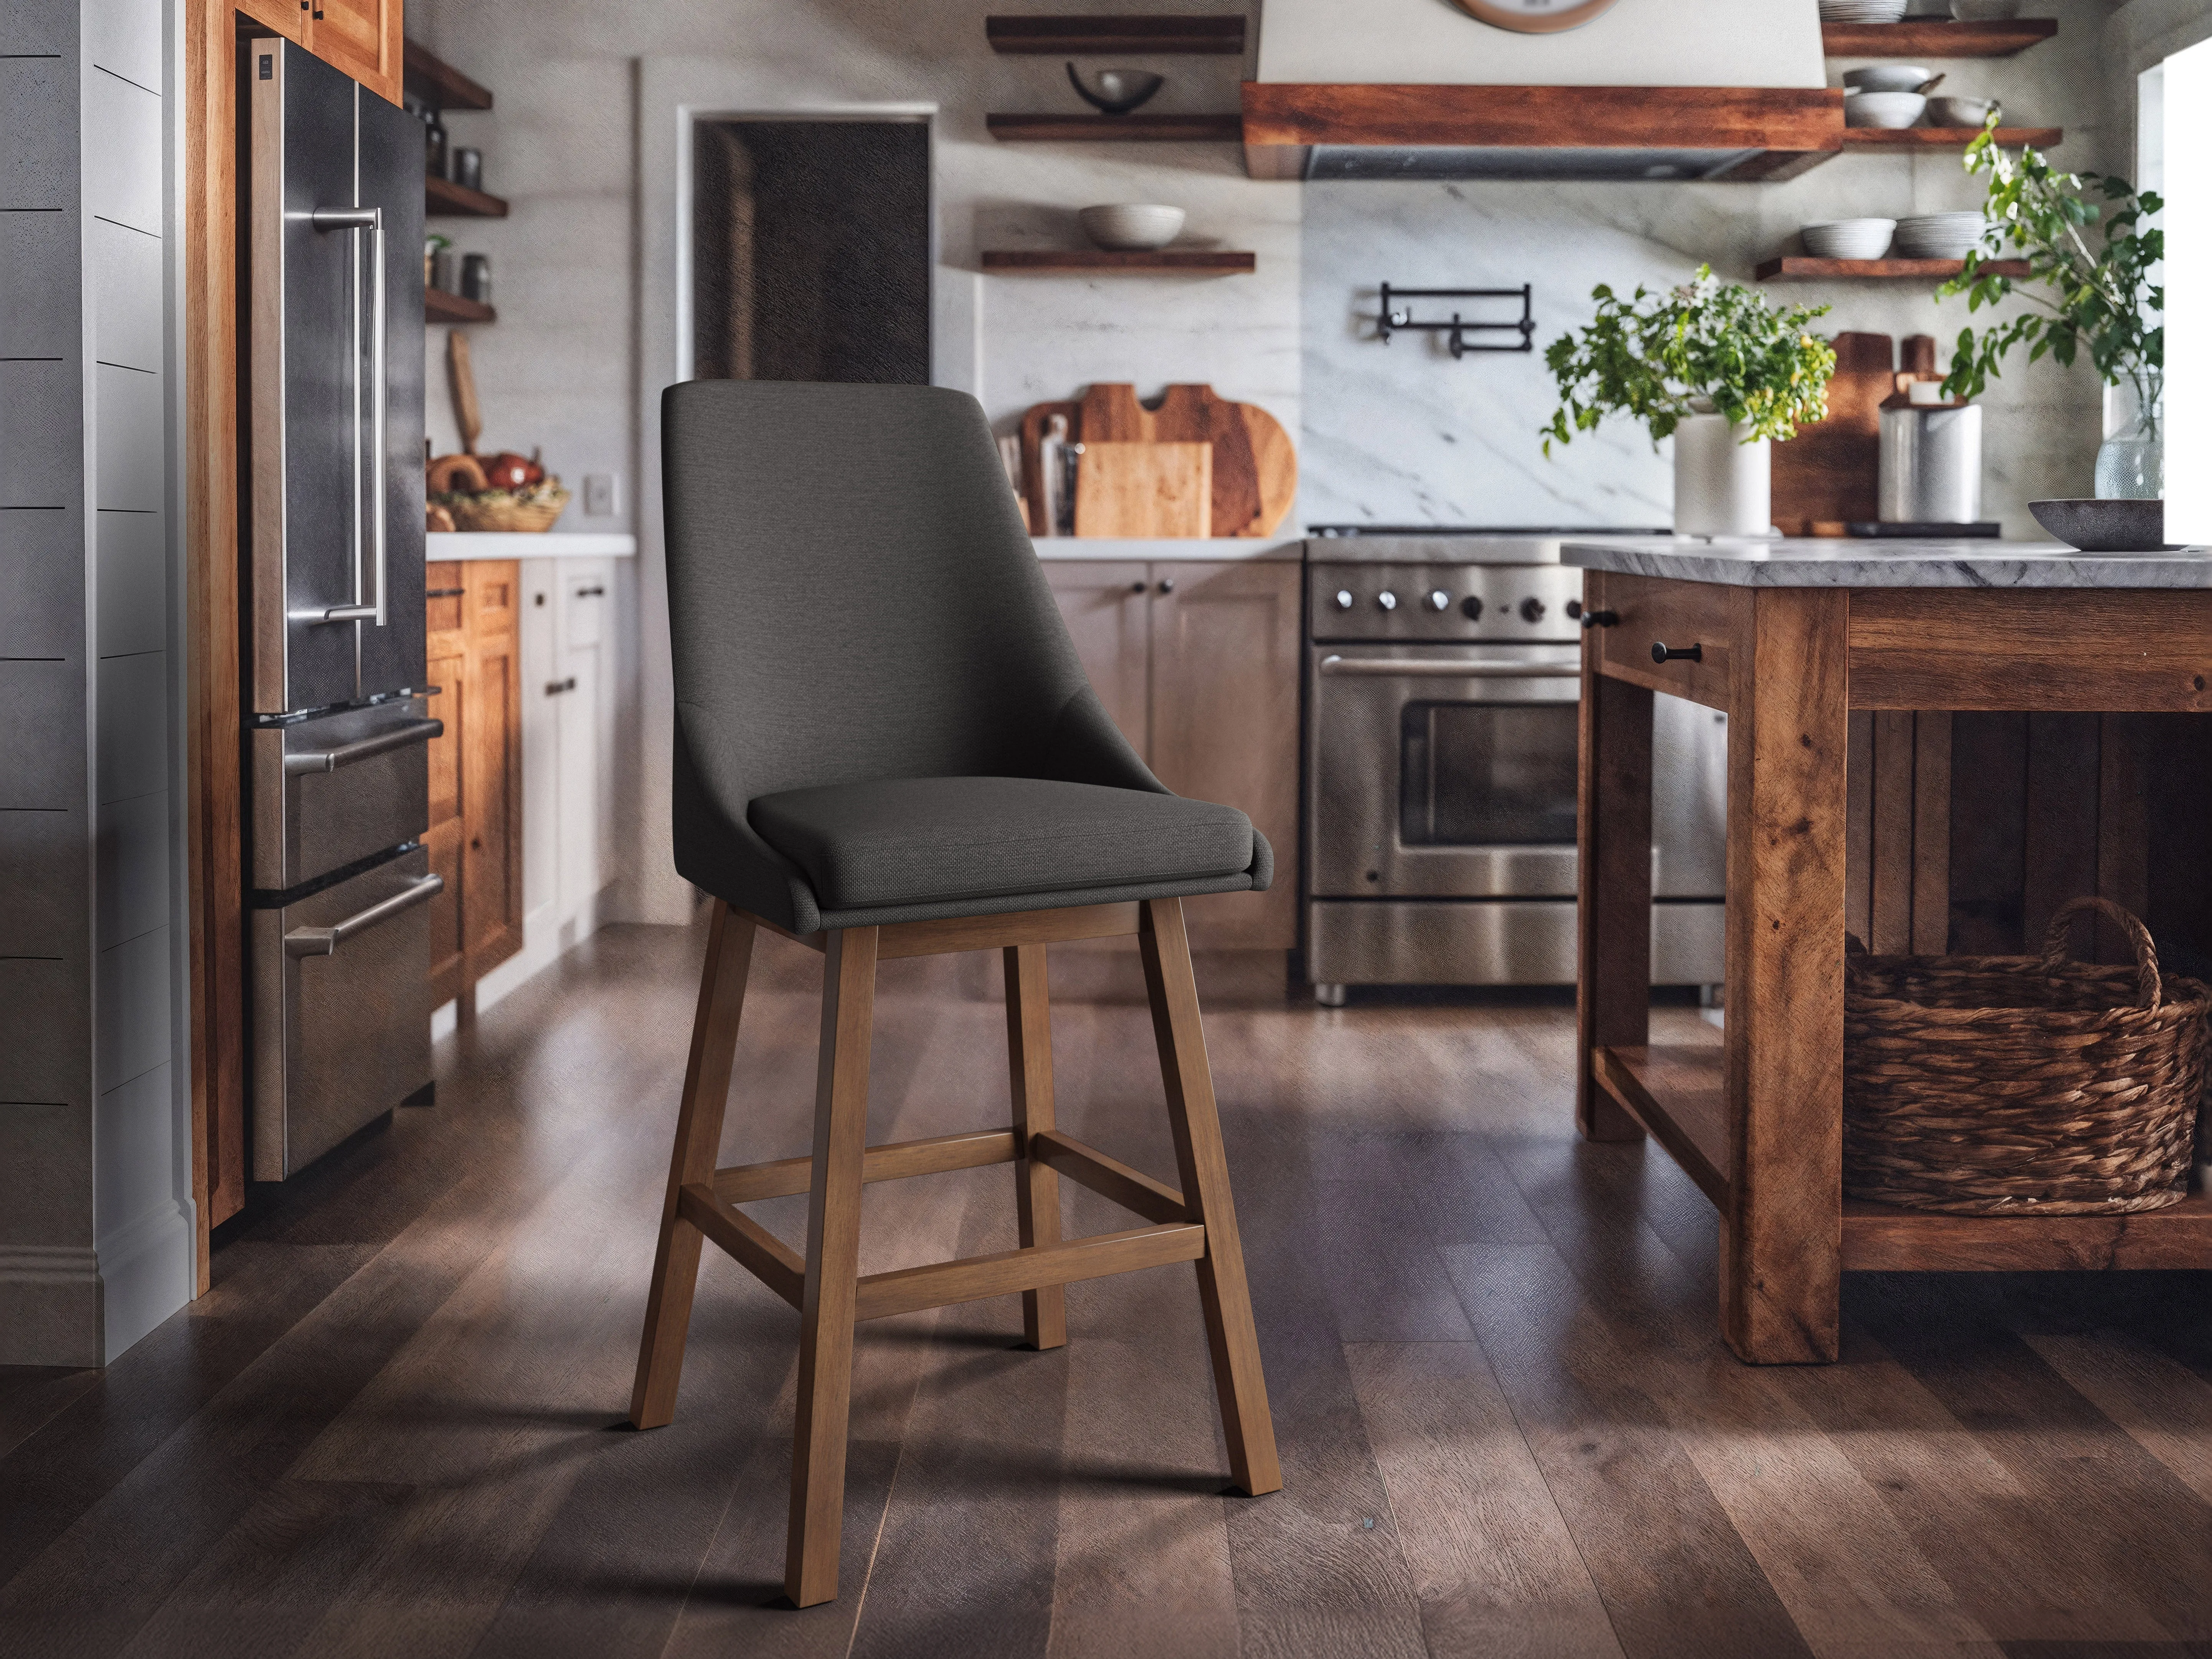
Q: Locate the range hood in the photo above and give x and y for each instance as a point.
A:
(1651, 89)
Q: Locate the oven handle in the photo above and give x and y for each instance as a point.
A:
(1449, 671)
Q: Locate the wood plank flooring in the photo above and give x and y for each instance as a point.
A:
(1507, 1422)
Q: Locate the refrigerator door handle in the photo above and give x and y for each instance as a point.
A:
(325, 941)
(345, 754)
(369, 603)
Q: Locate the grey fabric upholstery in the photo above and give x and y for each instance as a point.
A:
(854, 608)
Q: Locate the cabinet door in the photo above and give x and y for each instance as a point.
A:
(1226, 643)
(363, 38)
(491, 766)
(447, 657)
(582, 805)
(290, 18)
(1103, 603)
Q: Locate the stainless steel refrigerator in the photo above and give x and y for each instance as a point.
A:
(338, 934)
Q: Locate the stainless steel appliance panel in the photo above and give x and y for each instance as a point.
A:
(303, 367)
(1506, 604)
(392, 179)
(1475, 942)
(1358, 702)
(1689, 799)
(340, 1010)
(330, 792)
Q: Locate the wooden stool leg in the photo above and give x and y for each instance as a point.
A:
(698, 1140)
(1230, 1332)
(833, 1268)
(1037, 1185)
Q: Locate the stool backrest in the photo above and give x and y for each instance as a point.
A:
(852, 593)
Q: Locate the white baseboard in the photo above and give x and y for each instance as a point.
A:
(146, 1269)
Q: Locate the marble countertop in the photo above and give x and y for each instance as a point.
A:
(507, 544)
(1169, 549)
(1790, 561)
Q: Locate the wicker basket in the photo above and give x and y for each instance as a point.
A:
(534, 510)
(1989, 1085)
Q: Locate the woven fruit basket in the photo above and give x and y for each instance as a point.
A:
(532, 508)
(1994, 1085)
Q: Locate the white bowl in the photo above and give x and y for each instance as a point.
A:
(1887, 77)
(1862, 11)
(1959, 112)
(1939, 235)
(1849, 239)
(1883, 109)
(1131, 227)
(1984, 11)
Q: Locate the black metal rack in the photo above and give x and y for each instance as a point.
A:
(1463, 334)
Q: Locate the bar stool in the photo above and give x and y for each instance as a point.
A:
(886, 747)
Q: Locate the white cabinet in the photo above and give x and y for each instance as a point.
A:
(567, 758)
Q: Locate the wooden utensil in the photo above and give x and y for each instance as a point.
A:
(463, 379)
(1255, 467)
(1144, 489)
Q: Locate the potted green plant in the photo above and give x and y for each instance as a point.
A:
(2090, 257)
(1714, 365)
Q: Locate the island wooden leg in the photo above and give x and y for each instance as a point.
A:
(1612, 972)
(1782, 1229)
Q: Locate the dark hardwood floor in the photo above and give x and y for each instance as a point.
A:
(395, 1425)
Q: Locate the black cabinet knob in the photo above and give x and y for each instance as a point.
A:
(1600, 618)
(1167, 585)
(1136, 587)
(1664, 652)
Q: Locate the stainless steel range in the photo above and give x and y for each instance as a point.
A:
(1443, 680)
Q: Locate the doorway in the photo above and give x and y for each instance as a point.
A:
(810, 249)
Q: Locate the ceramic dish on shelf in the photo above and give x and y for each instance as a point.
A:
(1131, 227)
(2090, 527)
(1848, 239)
(1960, 111)
(1984, 11)
(1862, 11)
(1940, 235)
(1887, 77)
(1890, 110)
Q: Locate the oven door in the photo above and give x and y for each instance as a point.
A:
(1442, 771)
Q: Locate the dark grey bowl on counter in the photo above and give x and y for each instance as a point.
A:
(2104, 526)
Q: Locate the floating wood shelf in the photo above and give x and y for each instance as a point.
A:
(1189, 261)
(1932, 37)
(1677, 1091)
(1800, 266)
(447, 199)
(439, 85)
(1947, 138)
(1106, 129)
(439, 307)
(1214, 34)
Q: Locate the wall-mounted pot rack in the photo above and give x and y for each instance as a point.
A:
(1462, 335)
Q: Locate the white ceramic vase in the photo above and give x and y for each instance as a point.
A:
(1722, 487)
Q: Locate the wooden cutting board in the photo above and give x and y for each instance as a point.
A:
(1255, 467)
(1144, 489)
(1827, 475)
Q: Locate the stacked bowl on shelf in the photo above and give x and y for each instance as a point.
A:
(1849, 239)
(1939, 235)
(1862, 11)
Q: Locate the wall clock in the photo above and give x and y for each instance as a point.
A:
(1535, 16)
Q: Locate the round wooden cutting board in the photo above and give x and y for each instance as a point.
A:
(1256, 468)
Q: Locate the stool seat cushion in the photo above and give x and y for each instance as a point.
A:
(902, 841)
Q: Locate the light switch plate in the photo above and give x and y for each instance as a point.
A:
(601, 496)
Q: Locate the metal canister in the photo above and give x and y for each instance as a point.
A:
(1931, 464)
(475, 277)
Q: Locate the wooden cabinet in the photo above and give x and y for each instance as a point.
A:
(363, 38)
(475, 837)
(1199, 666)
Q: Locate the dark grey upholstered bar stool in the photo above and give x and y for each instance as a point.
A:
(886, 747)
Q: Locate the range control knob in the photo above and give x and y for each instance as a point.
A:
(1532, 611)
(1438, 600)
(1387, 600)
(1471, 608)
(1344, 599)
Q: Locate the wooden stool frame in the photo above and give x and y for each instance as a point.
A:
(1196, 1224)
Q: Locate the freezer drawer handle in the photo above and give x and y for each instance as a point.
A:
(325, 941)
(345, 754)
(1450, 671)
(369, 604)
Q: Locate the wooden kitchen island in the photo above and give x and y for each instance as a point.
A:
(1787, 637)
